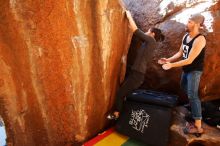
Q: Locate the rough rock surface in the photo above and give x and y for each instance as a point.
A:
(171, 16)
(60, 65)
(61, 62)
(178, 138)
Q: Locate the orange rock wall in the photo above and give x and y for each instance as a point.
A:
(61, 62)
(60, 65)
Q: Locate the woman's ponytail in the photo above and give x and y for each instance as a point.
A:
(158, 34)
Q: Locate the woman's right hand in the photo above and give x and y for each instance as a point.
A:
(133, 25)
(128, 14)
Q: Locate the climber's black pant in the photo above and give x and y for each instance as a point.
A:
(132, 82)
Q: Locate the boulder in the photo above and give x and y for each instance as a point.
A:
(61, 62)
(178, 138)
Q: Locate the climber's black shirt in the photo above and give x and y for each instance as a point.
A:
(145, 52)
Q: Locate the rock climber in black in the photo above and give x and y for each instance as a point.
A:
(136, 76)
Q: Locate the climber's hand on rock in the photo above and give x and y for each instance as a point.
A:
(124, 12)
(133, 25)
(128, 14)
